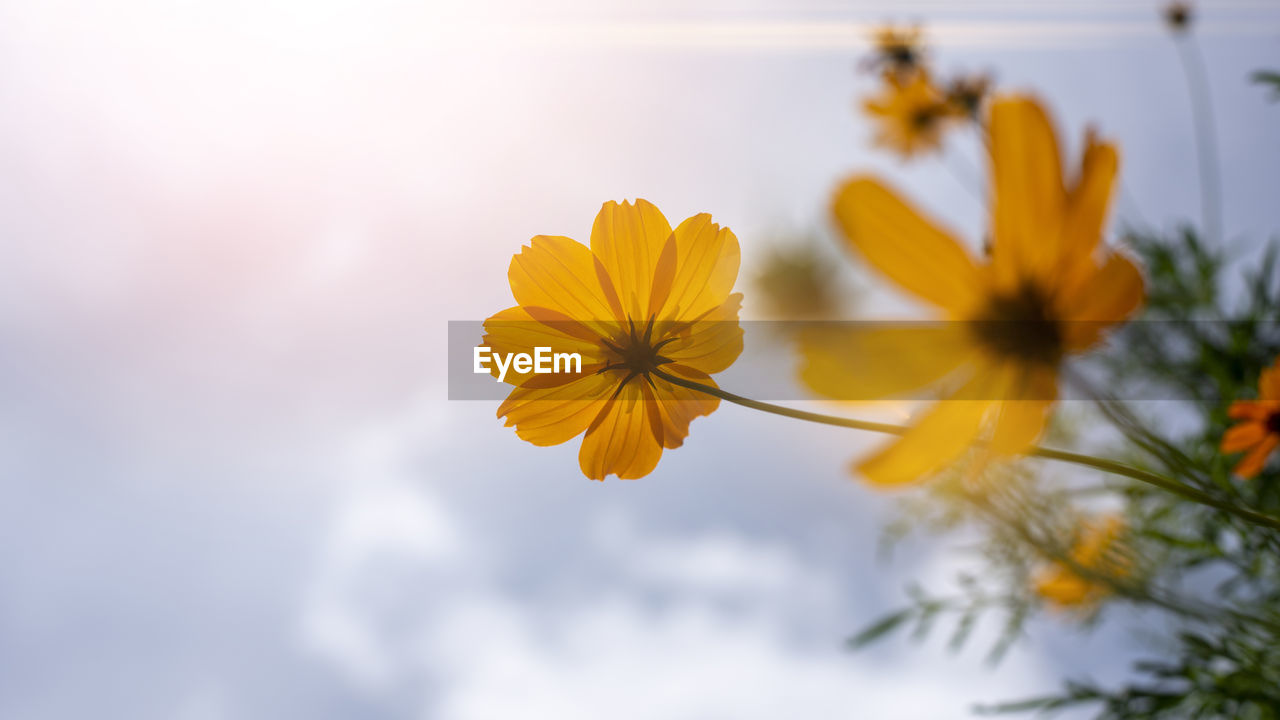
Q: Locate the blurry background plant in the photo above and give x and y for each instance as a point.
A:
(799, 280)
(1075, 545)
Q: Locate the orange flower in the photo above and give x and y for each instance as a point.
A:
(1096, 550)
(641, 297)
(1259, 431)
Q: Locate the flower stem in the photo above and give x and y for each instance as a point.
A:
(1108, 466)
(1193, 67)
(963, 173)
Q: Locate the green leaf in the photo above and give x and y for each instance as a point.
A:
(880, 628)
(1269, 77)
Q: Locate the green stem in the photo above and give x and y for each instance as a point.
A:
(1108, 466)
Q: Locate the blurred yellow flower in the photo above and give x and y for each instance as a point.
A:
(966, 94)
(1097, 550)
(1047, 289)
(912, 113)
(1259, 429)
(642, 296)
(898, 50)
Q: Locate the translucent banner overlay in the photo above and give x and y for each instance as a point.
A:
(843, 360)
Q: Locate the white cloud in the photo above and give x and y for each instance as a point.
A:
(643, 623)
(620, 660)
(385, 531)
(719, 567)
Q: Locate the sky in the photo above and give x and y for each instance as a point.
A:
(234, 234)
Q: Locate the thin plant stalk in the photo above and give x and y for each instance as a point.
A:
(1193, 68)
(1108, 466)
(964, 173)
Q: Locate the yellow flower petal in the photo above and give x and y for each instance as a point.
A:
(707, 257)
(874, 361)
(945, 431)
(550, 416)
(664, 276)
(523, 328)
(940, 436)
(1019, 425)
(1106, 298)
(937, 440)
(628, 240)
(1086, 213)
(1061, 587)
(1020, 422)
(520, 330)
(909, 249)
(623, 439)
(711, 344)
(1098, 543)
(558, 273)
(1028, 193)
(1098, 550)
(678, 406)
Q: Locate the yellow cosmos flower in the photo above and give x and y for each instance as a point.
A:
(1259, 428)
(1097, 550)
(912, 113)
(1047, 289)
(641, 297)
(897, 49)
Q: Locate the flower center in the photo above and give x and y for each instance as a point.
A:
(901, 55)
(1021, 326)
(923, 118)
(1273, 423)
(635, 352)
(968, 99)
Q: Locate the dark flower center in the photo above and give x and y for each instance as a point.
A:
(901, 55)
(923, 118)
(1273, 423)
(1021, 326)
(968, 99)
(635, 352)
